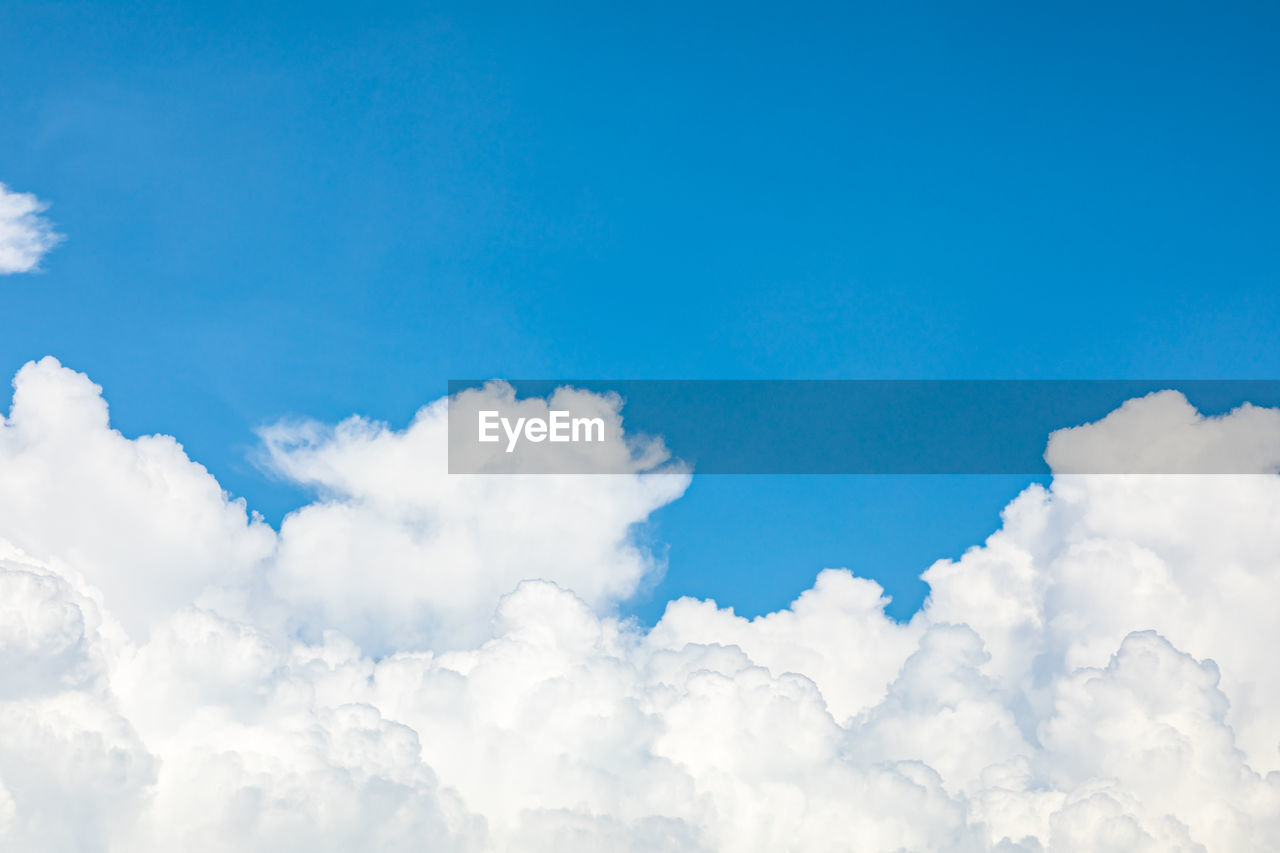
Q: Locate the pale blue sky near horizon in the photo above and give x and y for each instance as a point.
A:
(324, 209)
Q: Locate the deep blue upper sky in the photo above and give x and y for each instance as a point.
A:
(322, 209)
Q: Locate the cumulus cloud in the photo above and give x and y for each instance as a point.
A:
(143, 525)
(1162, 433)
(434, 553)
(25, 235)
(415, 661)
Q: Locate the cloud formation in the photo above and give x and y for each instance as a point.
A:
(421, 662)
(25, 235)
(435, 553)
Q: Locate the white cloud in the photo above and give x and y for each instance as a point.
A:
(397, 554)
(137, 519)
(25, 235)
(422, 662)
(1162, 433)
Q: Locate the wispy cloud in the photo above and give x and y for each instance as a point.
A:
(25, 235)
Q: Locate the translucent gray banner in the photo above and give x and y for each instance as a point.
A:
(1020, 427)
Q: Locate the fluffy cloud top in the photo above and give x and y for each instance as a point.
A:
(434, 553)
(422, 662)
(25, 235)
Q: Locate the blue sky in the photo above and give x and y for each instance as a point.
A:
(324, 209)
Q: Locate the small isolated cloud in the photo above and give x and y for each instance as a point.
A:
(419, 662)
(25, 235)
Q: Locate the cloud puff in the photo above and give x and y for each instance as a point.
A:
(1162, 433)
(25, 235)
(397, 554)
(142, 524)
(422, 662)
